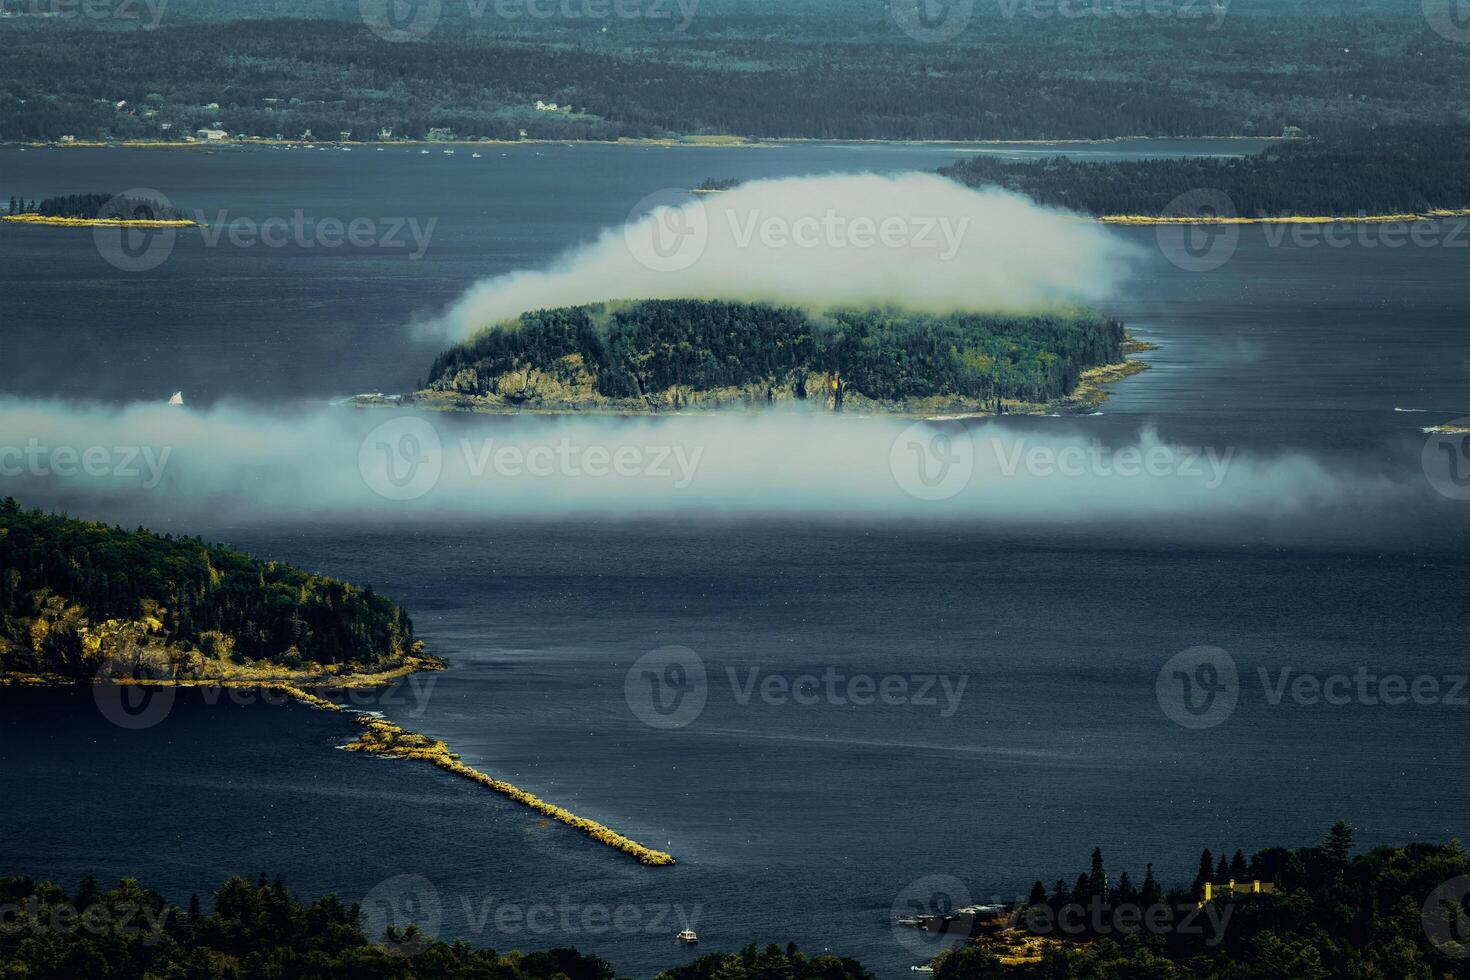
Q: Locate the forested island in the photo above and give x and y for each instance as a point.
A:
(1393, 170)
(79, 599)
(95, 209)
(1310, 913)
(657, 355)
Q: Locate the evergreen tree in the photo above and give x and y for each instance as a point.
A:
(1038, 894)
(1150, 894)
(1097, 879)
(1205, 874)
(1239, 870)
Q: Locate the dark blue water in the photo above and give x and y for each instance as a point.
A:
(804, 822)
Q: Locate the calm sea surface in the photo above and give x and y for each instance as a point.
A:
(791, 821)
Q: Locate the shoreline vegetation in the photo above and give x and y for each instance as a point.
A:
(83, 604)
(644, 357)
(1310, 912)
(1396, 173)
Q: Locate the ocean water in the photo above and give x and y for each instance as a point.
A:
(1029, 652)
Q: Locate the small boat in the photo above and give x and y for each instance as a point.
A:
(449, 153)
(688, 938)
(423, 153)
(474, 156)
(177, 398)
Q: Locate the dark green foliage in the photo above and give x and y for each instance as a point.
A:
(105, 206)
(268, 607)
(1024, 78)
(256, 931)
(635, 350)
(1393, 170)
(773, 962)
(1327, 914)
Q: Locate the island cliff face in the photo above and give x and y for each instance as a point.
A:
(658, 355)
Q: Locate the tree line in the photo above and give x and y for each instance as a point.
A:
(634, 350)
(61, 577)
(1022, 80)
(1391, 170)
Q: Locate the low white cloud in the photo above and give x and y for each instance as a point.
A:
(243, 465)
(916, 241)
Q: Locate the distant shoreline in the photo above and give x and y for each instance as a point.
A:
(706, 142)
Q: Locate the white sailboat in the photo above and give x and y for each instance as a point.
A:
(177, 398)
